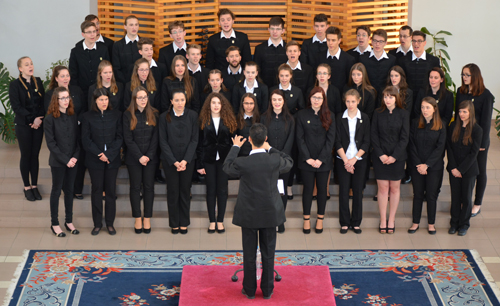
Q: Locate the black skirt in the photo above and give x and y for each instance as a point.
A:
(392, 172)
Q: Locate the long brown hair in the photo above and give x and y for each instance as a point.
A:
(54, 103)
(324, 113)
(403, 85)
(104, 63)
(226, 112)
(390, 91)
(55, 73)
(241, 113)
(437, 124)
(268, 115)
(186, 78)
(150, 111)
(442, 86)
(467, 104)
(135, 81)
(365, 82)
(169, 112)
(476, 81)
(208, 87)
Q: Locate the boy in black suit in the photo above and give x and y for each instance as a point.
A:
(259, 208)
(125, 51)
(313, 47)
(363, 33)
(405, 33)
(99, 38)
(339, 61)
(198, 72)
(177, 47)
(234, 72)
(303, 74)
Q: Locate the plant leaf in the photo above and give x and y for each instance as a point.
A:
(424, 29)
(429, 50)
(446, 54)
(444, 32)
(445, 63)
(443, 43)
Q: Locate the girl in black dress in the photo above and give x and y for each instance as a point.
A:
(389, 137)
(473, 89)
(26, 95)
(462, 146)
(60, 78)
(359, 80)
(178, 141)
(247, 115)
(62, 136)
(142, 76)
(436, 88)
(180, 79)
(352, 143)
(425, 161)
(315, 136)
(140, 134)
(280, 133)
(218, 124)
(215, 84)
(397, 78)
(102, 137)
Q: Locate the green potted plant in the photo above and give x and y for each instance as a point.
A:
(7, 127)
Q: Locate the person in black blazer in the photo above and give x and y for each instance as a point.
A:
(179, 132)
(61, 78)
(217, 124)
(180, 79)
(313, 48)
(436, 88)
(233, 73)
(247, 116)
(195, 69)
(405, 47)
(26, 95)
(280, 126)
(142, 76)
(251, 84)
(303, 74)
(125, 51)
(215, 84)
(259, 208)
(359, 80)
(397, 78)
(462, 145)
(473, 89)
(140, 134)
(363, 33)
(389, 137)
(101, 39)
(293, 95)
(102, 137)
(178, 46)
(62, 136)
(426, 151)
(315, 136)
(158, 70)
(334, 100)
(352, 143)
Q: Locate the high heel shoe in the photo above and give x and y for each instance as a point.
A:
(60, 234)
(138, 230)
(72, 231)
(391, 230)
(307, 231)
(146, 230)
(318, 230)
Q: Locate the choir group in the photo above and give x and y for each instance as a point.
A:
(357, 109)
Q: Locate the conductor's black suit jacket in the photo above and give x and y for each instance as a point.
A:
(259, 203)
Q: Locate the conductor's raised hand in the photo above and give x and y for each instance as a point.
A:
(238, 140)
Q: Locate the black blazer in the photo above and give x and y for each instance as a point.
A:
(62, 136)
(102, 133)
(463, 157)
(115, 99)
(294, 98)
(333, 98)
(445, 105)
(109, 43)
(261, 93)
(210, 143)
(245, 132)
(390, 133)
(83, 64)
(216, 50)
(124, 57)
(259, 203)
(26, 107)
(361, 136)
(280, 134)
(367, 103)
(313, 141)
(153, 96)
(142, 141)
(166, 55)
(166, 94)
(426, 146)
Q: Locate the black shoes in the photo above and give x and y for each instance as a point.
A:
(452, 230)
(138, 230)
(78, 196)
(290, 197)
(475, 214)
(319, 230)
(406, 180)
(72, 231)
(307, 231)
(357, 230)
(281, 228)
(219, 230)
(175, 231)
(36, 193)
(251, 297)
(462, 232)
(432, 232)
(60, 234)
(111, 230)
(146, 230)
(391, 230)
(95, 231)
(268, 297)
(29, 195)
(413, 231)
(211, 231)
(344, 230)
(184, 231)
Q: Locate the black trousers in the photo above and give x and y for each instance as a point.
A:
(103, 179)
(63, 178)
(266, 237)
(295, 169)
(425, 187)
(461, 201)
(80, 172)
(284, 197)
(307, 193)
(347, 181)
(30, 142)
(482, 179)
(217, 190)
(178, 191)
(142, 176)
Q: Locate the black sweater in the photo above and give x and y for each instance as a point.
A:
(179, 138)
(216, 50)
(167, 55)
(26, 106)
(261, 93)
(463, 157)
(333, 99)
(109, 43)
(483, 107)
(269, 58)
(310, 52)
(159, 73)
(115, 99)
(341, 68)
(426, 146)
(102, 132)
(210, 143)
(367, 103)
(201, 79)
(313, 141)
(62, 136)
(390, 133)
(79, 102)
(124, 57)
(83, 65)
(417, 71)
(445, 105)
(142, 141)
(293, 98)
(280, 134)
(154, 96)
(304, 78)
(166, 94)
(398, 55)
(376, 70)
(361, 135)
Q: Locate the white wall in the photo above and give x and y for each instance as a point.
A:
(474, 25)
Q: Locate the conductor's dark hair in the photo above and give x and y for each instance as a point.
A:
(258, 133)
(98, 93)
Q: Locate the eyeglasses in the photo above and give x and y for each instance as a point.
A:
(465, 75)
(63, 98)
(322, 73)
(317, 98)
(176, 32)
(417, 41)
(143, 70)
(142, 98)
(374, 41)
(90, 32)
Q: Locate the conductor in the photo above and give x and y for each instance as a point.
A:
(259, 208)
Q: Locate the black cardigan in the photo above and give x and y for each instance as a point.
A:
(211, 142)
(376, 70)
(62, 136)
(26, 107)
(115, 99)
(261, 94)
(293, 98)
(83, 65)
(216, 50)
(124, 57)
(313, 141)
(445, 105)
(77, 96)
(463, 157)
(390, 133)
(142, 141)
(166, 94)
(179, 138)
(417, 71)
(361, 135)
(102, 133)
(280, 134)
(426, 146)
(269, 58)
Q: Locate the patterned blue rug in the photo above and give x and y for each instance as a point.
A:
(133, 278)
